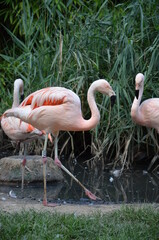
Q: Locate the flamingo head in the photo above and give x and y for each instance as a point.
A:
(139, 83)
(104, 87)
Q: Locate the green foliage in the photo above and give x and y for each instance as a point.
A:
(73, 43)
(128, 223)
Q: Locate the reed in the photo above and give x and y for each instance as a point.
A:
(71, 45)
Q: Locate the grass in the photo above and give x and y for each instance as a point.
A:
(127, 223)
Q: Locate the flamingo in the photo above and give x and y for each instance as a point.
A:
(146, 113)
(55, 109)
(17, 130)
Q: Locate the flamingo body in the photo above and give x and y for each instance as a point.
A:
(61, 106)
(54, 109)
(13, 127)
(20, 131)
(146, 113)
(16, 129)
(57, 109)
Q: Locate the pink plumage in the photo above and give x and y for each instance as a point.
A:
(13, 127)
(16, 129)
(55, 109)
(146, 113)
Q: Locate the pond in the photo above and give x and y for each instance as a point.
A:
(136, 186)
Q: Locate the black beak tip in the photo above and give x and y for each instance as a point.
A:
(113, 99)
(22, 98)
(137, 93)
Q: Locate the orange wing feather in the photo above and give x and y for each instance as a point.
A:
(43, 97)
(30, 128)
(28, 102)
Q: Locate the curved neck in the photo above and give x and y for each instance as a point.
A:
(95, 115)
(136, 103)
(140, 94)
(18, 88)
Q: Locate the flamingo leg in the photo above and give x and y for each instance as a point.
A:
(44, 174)
(23, 166)
(59, 164)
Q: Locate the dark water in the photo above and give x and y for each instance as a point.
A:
(130, 187)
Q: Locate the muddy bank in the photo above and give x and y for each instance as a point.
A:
(17, 205)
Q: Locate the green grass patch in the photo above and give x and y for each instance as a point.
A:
(127, 223)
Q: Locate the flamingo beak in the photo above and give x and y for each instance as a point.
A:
(112, 99)
(137, 93)
(21, 97)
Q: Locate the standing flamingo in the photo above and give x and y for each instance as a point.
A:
(17, 130)
(55, 109)
(146, 113)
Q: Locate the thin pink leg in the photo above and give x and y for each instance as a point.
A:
(56, 160)
(91, 195)
(23, 169)
(44, 174)
(59, 164)
(23, 164)
(45, 203)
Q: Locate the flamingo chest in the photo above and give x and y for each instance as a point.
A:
(149, 111)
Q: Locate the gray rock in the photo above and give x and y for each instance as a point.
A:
(11, 169)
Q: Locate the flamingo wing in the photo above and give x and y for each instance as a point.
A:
(52, 96)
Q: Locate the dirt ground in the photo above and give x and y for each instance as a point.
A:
(17, 205)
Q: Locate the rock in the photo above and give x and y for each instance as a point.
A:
(11, 170)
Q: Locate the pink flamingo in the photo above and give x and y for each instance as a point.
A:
(146, 113)
(17, 130)
(55, 109)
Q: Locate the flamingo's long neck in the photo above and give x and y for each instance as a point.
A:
(95, 115)
(136, 103)
(18, 88)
